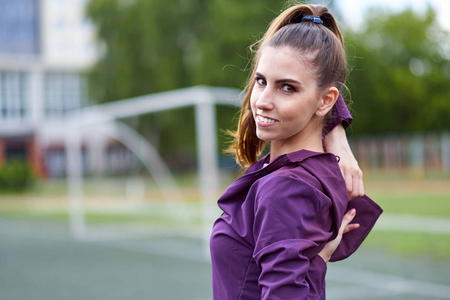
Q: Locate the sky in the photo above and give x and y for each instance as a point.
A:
(353, 10)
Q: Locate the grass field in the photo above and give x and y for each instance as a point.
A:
(426, 198)
(155, 251)
(423, 200)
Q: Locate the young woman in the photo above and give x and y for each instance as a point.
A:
(282, 219)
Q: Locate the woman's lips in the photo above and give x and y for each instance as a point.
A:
(265, 121)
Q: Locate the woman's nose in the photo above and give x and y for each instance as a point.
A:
(264, 101)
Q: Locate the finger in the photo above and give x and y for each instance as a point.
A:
(348, 183)
(348, 217)
(350, 227)
(361, 188)
(355, 189)
(358, 185)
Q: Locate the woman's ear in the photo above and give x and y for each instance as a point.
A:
(327, 101)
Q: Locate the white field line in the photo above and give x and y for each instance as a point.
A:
(387, 222)
(413, 223)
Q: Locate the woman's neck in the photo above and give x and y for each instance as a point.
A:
(311, 143)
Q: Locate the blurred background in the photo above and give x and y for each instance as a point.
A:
(113, 120)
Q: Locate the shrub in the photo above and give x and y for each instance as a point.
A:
(15, 175)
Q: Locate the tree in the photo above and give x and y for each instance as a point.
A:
(399, 62)
(400, 73)
(155, 45)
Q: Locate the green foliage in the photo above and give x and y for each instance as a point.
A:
(157, 45)
(15, 175)
(154, 45)
(400, 73)
(399, 78)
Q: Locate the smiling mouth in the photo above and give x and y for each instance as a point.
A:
(265, 120)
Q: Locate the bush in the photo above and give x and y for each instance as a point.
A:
(15, 175)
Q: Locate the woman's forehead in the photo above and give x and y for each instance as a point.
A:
(282, 62)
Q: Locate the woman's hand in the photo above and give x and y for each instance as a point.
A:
(336, 142)
(331, 246)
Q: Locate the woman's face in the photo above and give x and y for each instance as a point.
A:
(284, 99)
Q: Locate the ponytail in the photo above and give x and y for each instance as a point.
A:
(294, 15)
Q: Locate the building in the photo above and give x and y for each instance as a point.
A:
(45, 45)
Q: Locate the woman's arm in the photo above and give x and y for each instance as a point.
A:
(288, 228)
(336, 142)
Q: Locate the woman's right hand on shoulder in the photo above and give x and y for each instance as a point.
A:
(336, 142)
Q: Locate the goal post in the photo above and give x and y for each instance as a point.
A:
(203, 98)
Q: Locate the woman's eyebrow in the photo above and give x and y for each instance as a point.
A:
(279, 80)
(287, 80)
(259, 75)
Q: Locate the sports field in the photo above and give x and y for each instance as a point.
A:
(149, 256)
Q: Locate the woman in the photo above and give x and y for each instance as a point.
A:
(273, 238)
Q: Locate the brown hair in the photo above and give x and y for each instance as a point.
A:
(327, 61)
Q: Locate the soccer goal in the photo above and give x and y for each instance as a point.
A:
(105, 119)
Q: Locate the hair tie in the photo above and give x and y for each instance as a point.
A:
(314, 19)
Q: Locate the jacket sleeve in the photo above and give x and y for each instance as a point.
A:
(339, 115)
(367, 213)
(289, 232)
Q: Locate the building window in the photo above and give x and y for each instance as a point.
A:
(13, 94)
(64, 93)
(19, 27)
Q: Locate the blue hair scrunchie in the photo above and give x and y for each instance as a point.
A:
(314, 19)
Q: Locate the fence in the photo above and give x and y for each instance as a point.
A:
(419, 153)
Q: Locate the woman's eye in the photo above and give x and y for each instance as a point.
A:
(260, 81)
(288, 88)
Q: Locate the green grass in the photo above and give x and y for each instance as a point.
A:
(152, 215)
(429, 198)
(400, 195)
(423, 204)
(434, 246)
(91, 217)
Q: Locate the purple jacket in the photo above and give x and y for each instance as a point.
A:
(275, 221)
(339, 115)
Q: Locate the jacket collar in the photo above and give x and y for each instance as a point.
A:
(282, 160)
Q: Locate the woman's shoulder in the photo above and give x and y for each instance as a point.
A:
(301, 171)
(287, 175)
(318, 173)
(318, 159)
(296, 175)
(321, 166)
(287, 186)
